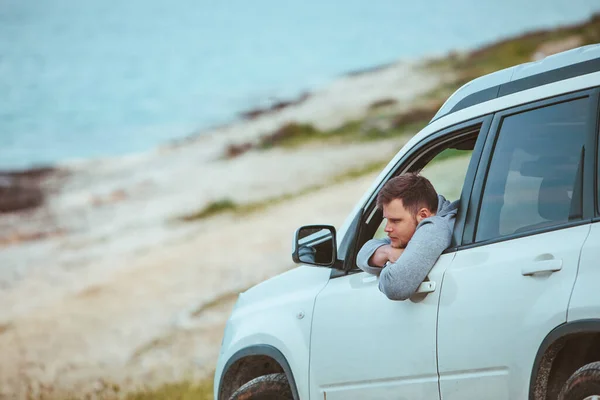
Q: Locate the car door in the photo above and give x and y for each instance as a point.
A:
(365, 346)
(510, 282)
(585, 300)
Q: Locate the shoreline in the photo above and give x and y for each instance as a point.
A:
(327, 108)
(280, 103)
(250, 113)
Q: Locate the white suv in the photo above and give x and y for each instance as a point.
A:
(510, 311)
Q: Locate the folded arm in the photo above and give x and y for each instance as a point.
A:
(400, 280)
(369, 250)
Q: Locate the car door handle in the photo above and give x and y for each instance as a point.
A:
(426, 287)
(370, 278)
(542, 266)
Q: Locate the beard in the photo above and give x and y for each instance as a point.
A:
(398, 243)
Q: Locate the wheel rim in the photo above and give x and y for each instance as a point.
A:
(594, 397)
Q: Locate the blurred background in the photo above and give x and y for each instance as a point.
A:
(156, 158)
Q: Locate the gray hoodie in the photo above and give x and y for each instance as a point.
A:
(399, 280)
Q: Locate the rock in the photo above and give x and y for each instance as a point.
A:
(234, 150)
(16, 198)
(276, 106)
(382, 103)
(13, 238)
(22, 190)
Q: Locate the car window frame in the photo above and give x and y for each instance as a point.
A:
(596, 150)
(589, 169)
(419, 150)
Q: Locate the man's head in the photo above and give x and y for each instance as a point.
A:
(406, 200)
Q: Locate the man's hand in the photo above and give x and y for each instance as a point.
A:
(384, 254)
(394, 254)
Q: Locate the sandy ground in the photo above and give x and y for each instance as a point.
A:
(138, 322)
(112, 293)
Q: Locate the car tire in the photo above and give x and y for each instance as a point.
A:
(266, 387)
(584, 384)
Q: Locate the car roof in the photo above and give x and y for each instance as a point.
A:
(565, 65)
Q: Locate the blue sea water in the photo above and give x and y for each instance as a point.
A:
(91, 78)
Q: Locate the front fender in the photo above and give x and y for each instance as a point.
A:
(275, 315)
(261, 350)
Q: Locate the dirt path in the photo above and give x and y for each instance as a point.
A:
(138, 324)
(161, 317)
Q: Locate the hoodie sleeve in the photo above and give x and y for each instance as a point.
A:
(400, 280)
(365, 253)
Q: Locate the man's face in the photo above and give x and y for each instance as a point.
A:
(400, 225)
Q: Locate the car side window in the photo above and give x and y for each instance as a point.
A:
(446, 172)
(536, 171)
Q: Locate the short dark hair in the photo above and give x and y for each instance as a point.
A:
(414, 190)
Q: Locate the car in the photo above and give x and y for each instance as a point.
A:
(511, 310)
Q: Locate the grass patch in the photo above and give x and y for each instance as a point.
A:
(293, 135)
(186, 390)
(290, 135)
(216, 302)
(385, 127)
(507, 53)
(360, 130)
(214, 208)
(156, 343)
(245, 209)
(355, 173)
(382, 103)
(521, 49)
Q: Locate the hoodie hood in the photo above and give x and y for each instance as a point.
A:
(446, 208)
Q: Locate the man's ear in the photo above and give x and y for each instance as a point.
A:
(423, 213)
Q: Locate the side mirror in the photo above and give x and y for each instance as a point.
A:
(315, 245)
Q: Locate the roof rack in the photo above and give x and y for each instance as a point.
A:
(557, 67)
